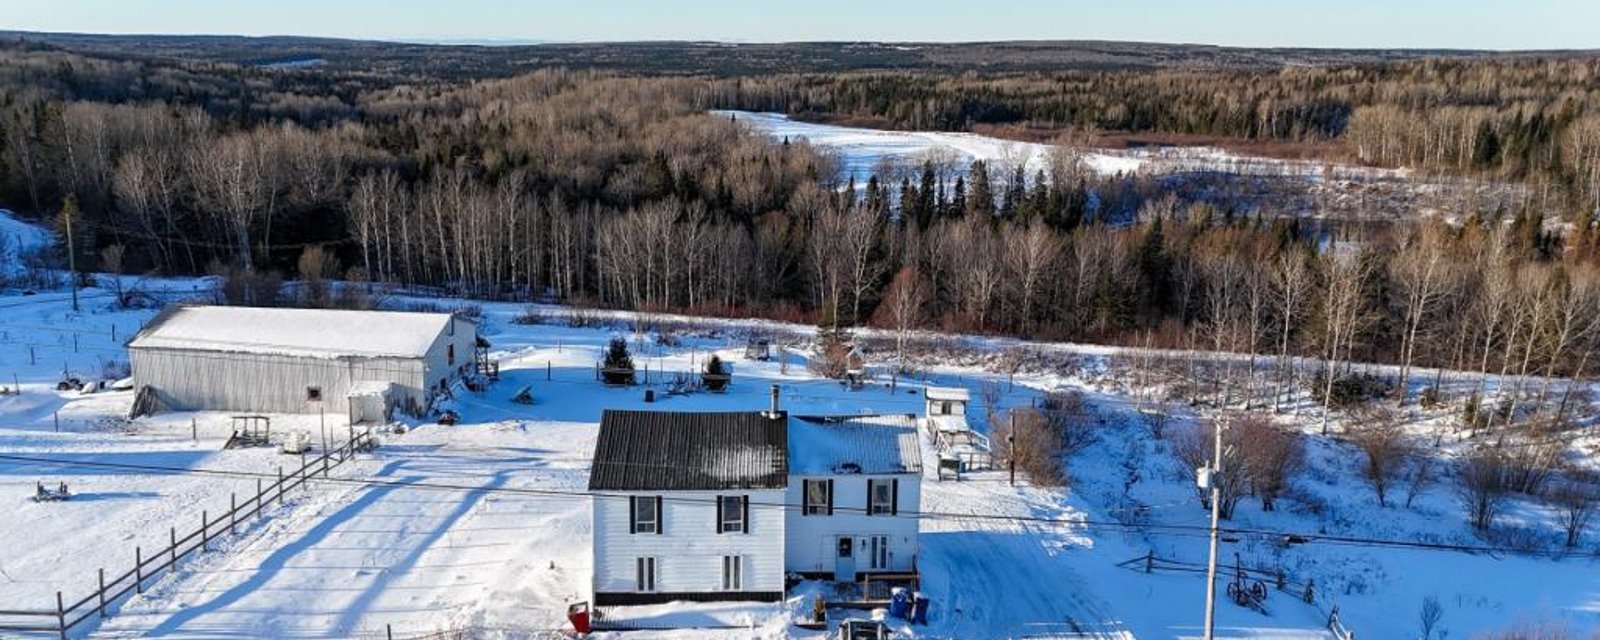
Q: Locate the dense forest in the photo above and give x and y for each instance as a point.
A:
(617, 189)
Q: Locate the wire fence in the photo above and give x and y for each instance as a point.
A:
(1305, 591)
(109, 591)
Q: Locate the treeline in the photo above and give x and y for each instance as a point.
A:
(618, 191)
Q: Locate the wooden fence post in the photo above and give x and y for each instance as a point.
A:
(204, 524)
(173, 550)
(259, 492)
(138, 569)
(233, 513)
(102, 592)
(61, 615)
(280, 485)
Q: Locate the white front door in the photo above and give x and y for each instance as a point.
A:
(844, 563)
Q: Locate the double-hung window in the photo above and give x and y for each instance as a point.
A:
(733, 514)
(818, 497)
(644, 514)
(881, 498)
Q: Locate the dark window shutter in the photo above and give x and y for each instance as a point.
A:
(745, 505)
(720, 514)
(830, 495)
(661, 517)
(869, 497)
(633, 515)
(894, 496)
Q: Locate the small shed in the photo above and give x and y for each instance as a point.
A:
(947, 401)
(371, 402)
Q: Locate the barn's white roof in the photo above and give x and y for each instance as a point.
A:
(948, 393)
(320, 333)
(855, 444)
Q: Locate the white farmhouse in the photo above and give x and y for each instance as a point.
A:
(856, 483)
(299, 360)
(727, 506)
(688, 507)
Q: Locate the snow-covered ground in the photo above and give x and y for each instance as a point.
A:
(475, 527)
(860, 150)
(17, 237)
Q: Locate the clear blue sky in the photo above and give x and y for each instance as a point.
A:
(1478, 24)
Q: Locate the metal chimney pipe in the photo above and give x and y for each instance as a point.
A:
(773, 412)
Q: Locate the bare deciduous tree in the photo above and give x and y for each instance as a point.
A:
(1035, 448)
(1271, 457)
(1384, 449)
(1424, 276)
(904, 307)
(1482, 485)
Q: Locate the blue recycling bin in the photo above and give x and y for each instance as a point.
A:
(899, 603)
(919, 608)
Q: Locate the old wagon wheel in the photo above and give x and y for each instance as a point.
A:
(1237, 593)
(1259, 591)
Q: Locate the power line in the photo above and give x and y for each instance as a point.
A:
(947, 516)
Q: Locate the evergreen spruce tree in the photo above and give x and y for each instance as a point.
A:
(958, 201)
(875, 200)
(1012, 201)
(1039, 202)
(981, 201)
(909, 201)
(617, 368)
(77, 242)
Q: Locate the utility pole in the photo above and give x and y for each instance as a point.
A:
(1011, 442)
(1210, 477)
(70, 211)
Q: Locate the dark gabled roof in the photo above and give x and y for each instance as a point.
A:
(682, 451)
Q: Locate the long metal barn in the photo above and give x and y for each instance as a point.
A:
(366, 363)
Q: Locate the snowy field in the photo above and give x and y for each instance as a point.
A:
(860, 150)
(479, 528)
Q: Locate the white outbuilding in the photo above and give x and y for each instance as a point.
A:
(270, 360)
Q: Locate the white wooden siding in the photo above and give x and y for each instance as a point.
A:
(689, 550)
(811, 539)
(936, 408)
(436, 364)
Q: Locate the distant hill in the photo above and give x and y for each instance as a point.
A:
(721, 58)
